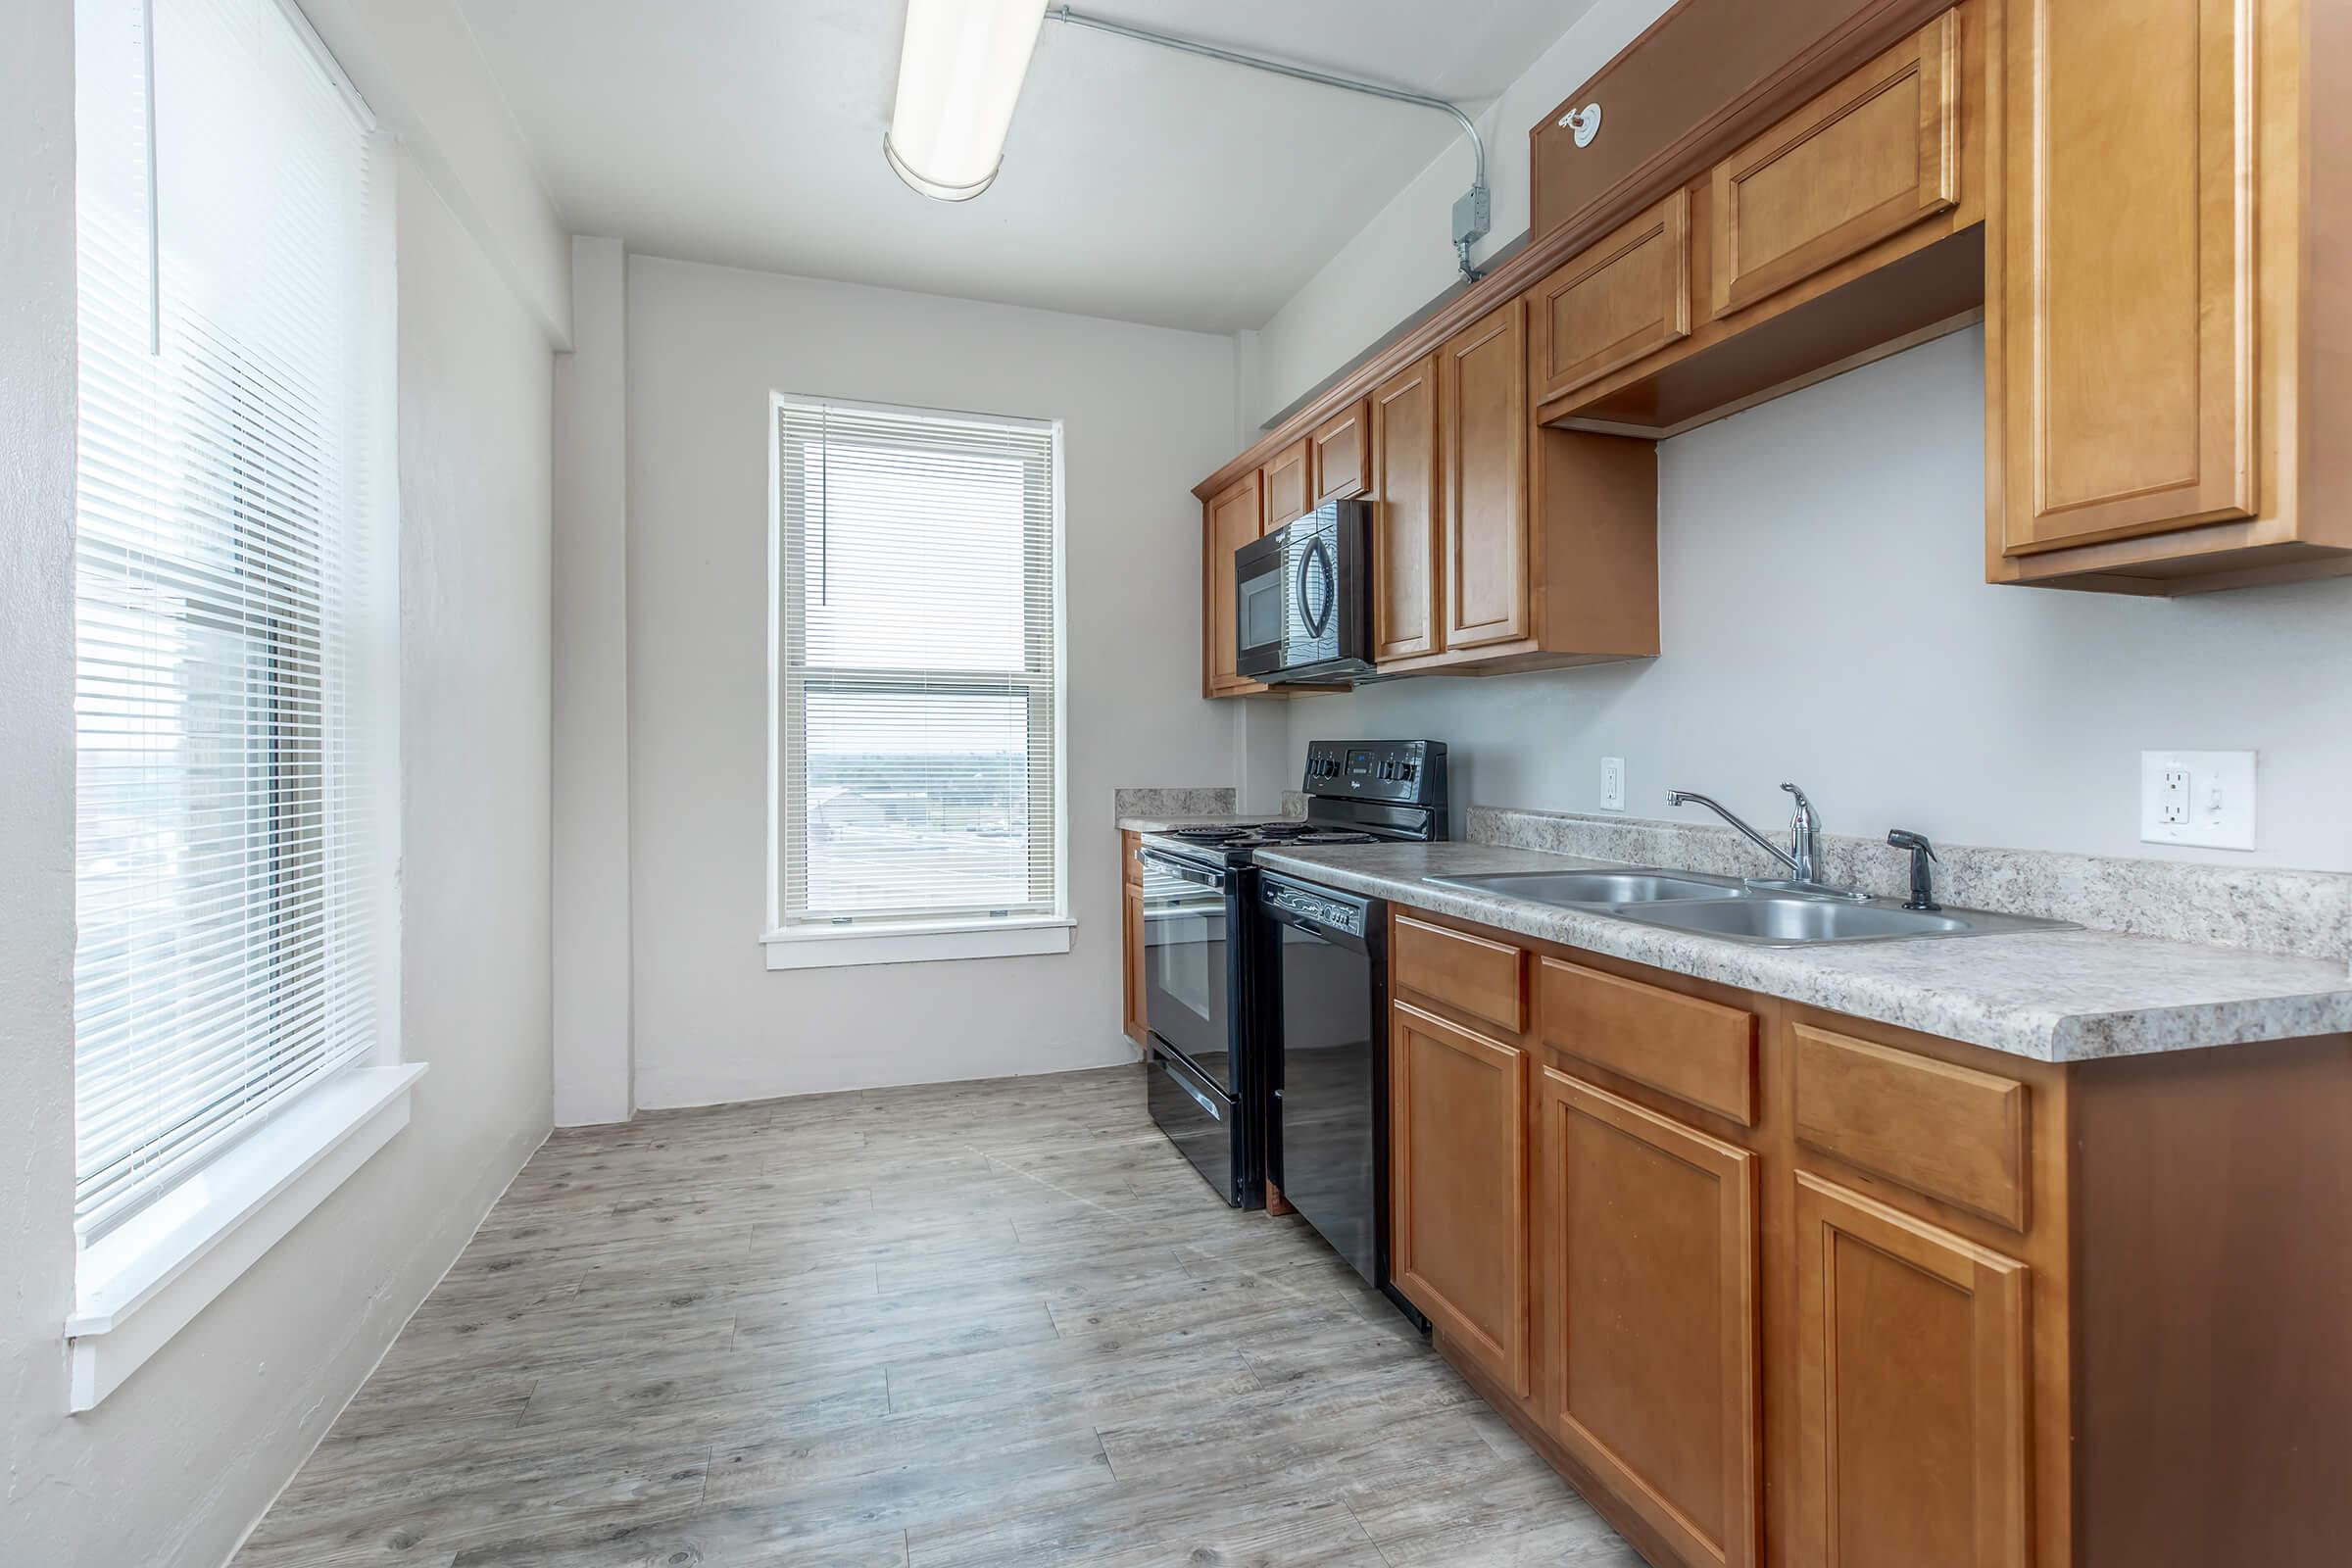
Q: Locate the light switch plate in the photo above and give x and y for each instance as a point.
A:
(2201, 798)
(1612, 783)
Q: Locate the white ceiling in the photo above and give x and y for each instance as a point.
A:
(1138, 184)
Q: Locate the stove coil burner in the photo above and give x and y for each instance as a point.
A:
(1200, 834)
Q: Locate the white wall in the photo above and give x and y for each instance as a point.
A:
(177, 1464)
(49, 1490)
(1824, 619)
(417, 62)
(1145, 412)
(1400, 262)
(593, 1061)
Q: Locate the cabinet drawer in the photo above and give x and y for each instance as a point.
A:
(1952, 1133)
(1868, 158)
(1626, 297)
(1702, 1052)
(1479, 977)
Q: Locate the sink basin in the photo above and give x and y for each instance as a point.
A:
(1755, 914)
(1592, 887)
(1791, 922)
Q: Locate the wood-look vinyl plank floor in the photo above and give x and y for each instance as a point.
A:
(951, 1326)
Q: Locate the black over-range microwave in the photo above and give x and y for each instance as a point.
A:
(1303, 598)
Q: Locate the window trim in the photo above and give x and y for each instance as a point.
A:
(930, 942)
(142, 1282)
(150, 1269)
(911, 939)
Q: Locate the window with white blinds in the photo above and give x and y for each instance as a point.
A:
(233, 697)
(917, 668)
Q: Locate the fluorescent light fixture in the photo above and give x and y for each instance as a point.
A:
(959, 75)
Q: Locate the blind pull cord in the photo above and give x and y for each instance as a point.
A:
(155, 246)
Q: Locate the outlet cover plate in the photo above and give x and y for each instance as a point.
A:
(2220, 799)
(1612, 783)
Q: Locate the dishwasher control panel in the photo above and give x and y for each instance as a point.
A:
(1329, 914)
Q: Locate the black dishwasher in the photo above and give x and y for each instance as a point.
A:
(1328, 971)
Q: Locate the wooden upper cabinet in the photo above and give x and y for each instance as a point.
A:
(1290, 484)
(1406, 478)
(1626, 297)
(1483, 432)
(1867, 159)
(1341, 450)
(1458, 1173)
(1688, 80)
(1912, 1391)
(2128, 278)
(1229, 521)
(1647, 1234)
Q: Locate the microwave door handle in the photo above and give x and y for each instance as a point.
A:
(1316, 561)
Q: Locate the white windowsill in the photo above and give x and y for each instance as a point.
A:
(145, 1281)
(834, 947)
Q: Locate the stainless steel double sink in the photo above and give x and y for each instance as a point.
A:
(1735, 911)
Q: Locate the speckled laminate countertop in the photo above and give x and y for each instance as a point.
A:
(2052, 996)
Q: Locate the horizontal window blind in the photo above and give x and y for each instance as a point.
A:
(231, 607)
(918, 685)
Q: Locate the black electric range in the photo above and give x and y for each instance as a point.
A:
(1213, 1015)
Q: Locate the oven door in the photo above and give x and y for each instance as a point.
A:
(1259, 583)
(1187, 965)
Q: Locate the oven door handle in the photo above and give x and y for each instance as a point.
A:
(1178, 870)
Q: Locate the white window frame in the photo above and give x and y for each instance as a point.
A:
(911, 941)
(140, 1282)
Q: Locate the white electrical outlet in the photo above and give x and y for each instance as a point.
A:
(2202, 798)
(1612, 783)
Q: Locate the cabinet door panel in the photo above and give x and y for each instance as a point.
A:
(1625, 298)
(1131, 938)
(1648, 1235)
(1234, 519)
(1484, 435)
(1343, 453)
(1289, 483)
(1912, 1387)
(1867, 159)
(1460, 1172)
(1404, 513)
(2128, 283)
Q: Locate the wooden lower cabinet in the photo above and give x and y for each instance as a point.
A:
(1913, 1387)
(1647, 1242)
(1460, 1172)
(1915, 1303)
(1131, 939)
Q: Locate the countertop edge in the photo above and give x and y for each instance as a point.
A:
(1800, 975)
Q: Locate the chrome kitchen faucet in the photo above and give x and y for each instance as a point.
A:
(1802, 858)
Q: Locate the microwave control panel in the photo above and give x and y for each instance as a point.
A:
(1402, 772)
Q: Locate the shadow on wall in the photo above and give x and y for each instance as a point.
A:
(1824, 618)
